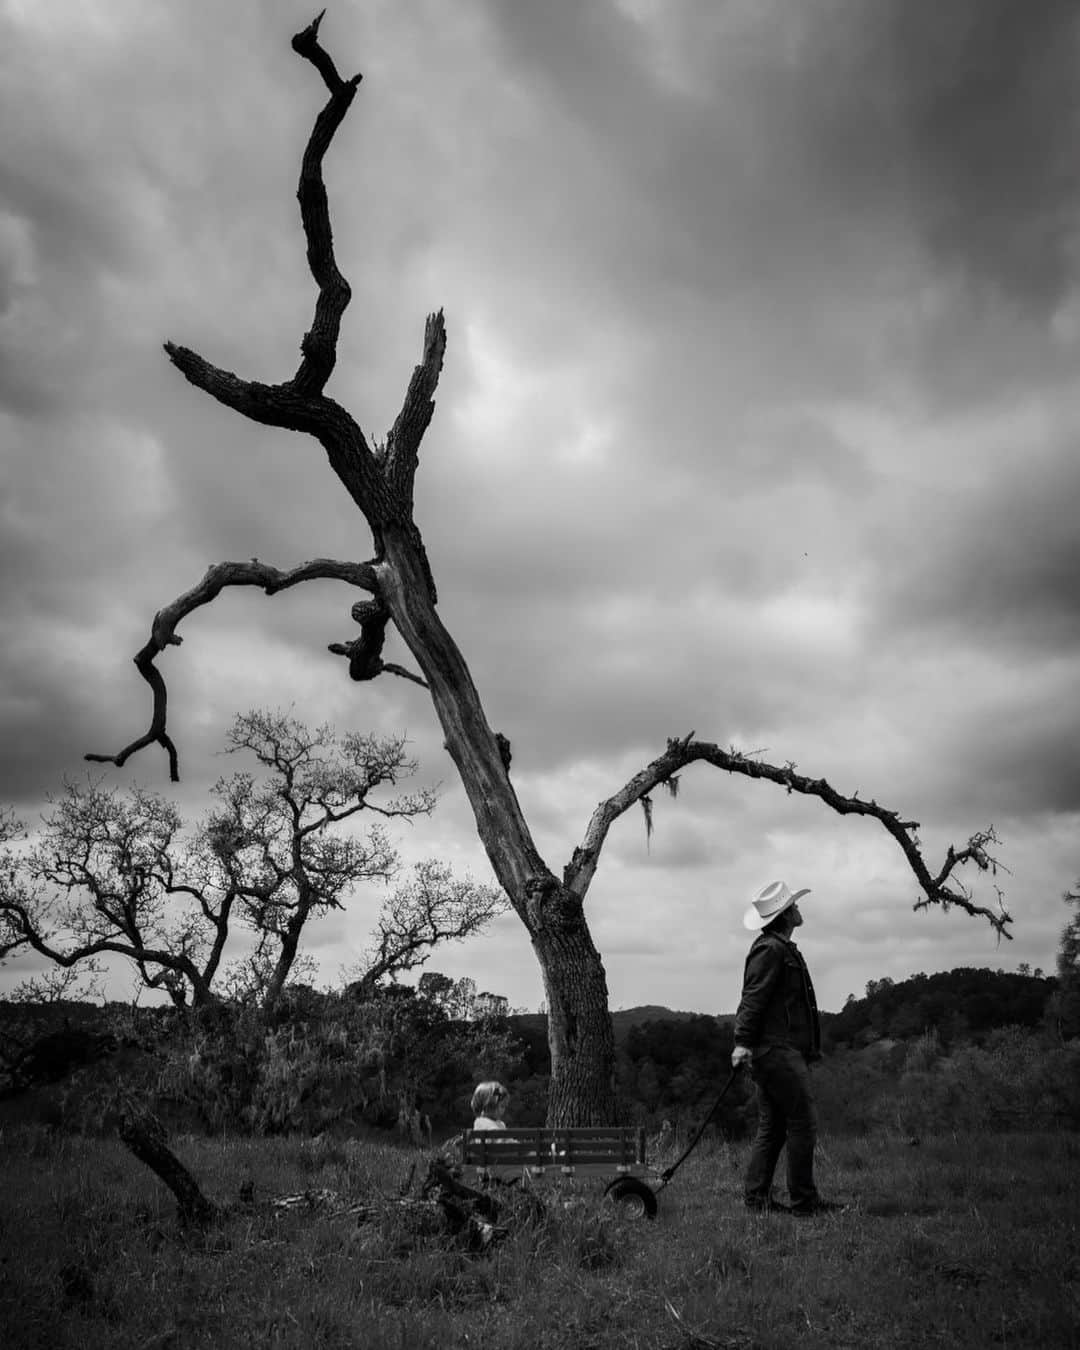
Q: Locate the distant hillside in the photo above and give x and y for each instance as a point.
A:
(962, 1004)
(625, 1018)
(622, 1020)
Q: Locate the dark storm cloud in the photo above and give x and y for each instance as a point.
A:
(633, 668)
(1027, 764)
(990, 741)
(627, 148)
(20, 392)
(990, 111)
(75, 223)
(813, 138)
(37, 695)
(1002, 571)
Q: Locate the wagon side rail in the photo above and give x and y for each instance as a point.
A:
(585, 1151)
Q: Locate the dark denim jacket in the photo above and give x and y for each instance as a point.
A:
(778, 1006)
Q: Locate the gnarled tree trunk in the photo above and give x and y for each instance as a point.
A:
(579, 1022)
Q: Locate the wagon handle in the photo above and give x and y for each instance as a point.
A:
(669, 1172)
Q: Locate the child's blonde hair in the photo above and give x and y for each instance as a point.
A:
(487, 1095)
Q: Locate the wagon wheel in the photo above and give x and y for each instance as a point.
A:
(634, 1198)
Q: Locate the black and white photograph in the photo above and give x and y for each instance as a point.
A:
(540, 674)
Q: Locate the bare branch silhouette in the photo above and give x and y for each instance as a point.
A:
(163, 631)
(580, 870)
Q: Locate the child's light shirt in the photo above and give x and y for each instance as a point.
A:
(486, 1123)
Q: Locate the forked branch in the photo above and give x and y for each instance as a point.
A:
(163, 631)
(381, 485)
(580, 870)
(297, 404)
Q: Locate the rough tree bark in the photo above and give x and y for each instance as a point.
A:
(399, 579)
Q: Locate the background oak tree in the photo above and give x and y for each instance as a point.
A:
(379, 477)
(115, 873)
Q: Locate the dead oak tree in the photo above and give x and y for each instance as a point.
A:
(399, 581)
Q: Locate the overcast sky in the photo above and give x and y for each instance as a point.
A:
(759, 418)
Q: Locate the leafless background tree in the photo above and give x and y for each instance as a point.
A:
(115, 873)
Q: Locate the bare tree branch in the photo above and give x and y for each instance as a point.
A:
(144, 660)
(81, 954)
(319, 346)
(297, 404)
(281, 405)
(392, 668)
(381, 487)
(306, 44)
(403, 442)
(432, 908)
(579, 872)
(163, 630)
(272, 405)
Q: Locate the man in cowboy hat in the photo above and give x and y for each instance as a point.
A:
(778, 1033)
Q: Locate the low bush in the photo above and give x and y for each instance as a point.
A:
(1015, 1080)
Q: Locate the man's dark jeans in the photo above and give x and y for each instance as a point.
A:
(786, 1114)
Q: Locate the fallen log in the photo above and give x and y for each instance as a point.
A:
(470, 1215)
(146, 1137)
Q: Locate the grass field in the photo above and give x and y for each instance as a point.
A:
(968, 1242)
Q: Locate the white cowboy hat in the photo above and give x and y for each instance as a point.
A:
(770, 901)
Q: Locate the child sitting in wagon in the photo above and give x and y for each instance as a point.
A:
(489, 1103)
